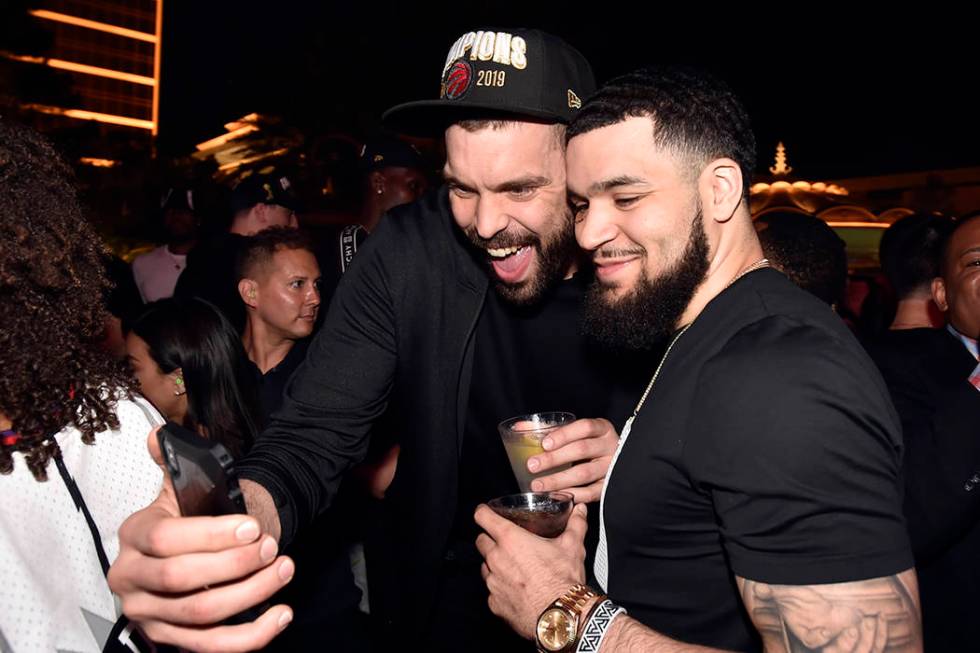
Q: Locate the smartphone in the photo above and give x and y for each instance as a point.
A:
(202, 472)
(204, 479)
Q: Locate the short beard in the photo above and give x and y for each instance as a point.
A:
(553, 258)
(642, 318)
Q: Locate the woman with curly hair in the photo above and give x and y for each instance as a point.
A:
(73, 460)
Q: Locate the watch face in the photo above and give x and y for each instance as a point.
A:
(556, 628)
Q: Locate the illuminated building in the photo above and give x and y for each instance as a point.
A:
(111, 50)
(861, 209)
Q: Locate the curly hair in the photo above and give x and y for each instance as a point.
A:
(51, 302)
(807, 250)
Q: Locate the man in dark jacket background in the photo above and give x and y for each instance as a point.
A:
(934, 379)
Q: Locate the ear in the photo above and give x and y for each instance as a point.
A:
(720, 186)
(177, 379)
(261, 213)
(247, 290)
(939, 294)
(377, 181)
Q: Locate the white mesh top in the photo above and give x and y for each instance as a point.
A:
(53, 595)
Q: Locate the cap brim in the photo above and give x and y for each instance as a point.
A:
(432, 117)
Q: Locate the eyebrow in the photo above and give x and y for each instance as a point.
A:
(608, 184)
(970, 250)
(520, 183)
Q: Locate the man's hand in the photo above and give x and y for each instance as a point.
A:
(179, 576)
(525, 572)
(592, 441)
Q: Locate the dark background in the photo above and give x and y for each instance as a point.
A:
(849, 93)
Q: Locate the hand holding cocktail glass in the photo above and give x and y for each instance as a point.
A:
(554, 452)
(588, 445)
(523, 571)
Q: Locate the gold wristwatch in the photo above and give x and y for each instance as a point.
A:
(559, 625)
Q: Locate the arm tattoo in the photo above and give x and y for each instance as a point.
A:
(880, 615)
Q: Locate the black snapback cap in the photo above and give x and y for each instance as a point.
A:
(263, 189)
(501, 74)
(389, 153)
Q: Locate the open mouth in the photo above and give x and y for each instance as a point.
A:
(511, 263)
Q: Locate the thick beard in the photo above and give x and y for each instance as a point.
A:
(647, 314)
(553, 258)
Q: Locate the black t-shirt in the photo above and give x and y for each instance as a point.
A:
(768, 449)
(272, 383)
(527, 360)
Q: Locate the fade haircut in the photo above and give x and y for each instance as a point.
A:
(694, 115)
(258, 250)
(911, 252)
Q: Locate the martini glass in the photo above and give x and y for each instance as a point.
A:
(542, 513)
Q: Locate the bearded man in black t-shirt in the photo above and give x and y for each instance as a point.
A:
(754, 500)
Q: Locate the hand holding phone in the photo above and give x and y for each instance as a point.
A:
(202, 472)
(215, 567)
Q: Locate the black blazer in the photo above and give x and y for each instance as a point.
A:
(926, 371)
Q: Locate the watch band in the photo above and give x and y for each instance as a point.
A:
(575, 598)
(571, 603)
(594, 629)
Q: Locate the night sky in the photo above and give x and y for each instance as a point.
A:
(848, 98)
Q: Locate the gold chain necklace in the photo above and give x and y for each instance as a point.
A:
(758, 265)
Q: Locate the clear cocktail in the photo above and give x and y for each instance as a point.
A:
(522, 437)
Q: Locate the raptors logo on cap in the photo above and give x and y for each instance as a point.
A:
(457, 80)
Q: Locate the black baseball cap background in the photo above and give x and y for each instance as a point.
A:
(550, 88)
(263, 189)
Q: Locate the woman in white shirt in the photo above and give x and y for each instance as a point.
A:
(73, 460)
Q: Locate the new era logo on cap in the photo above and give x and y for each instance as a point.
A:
(509, 73)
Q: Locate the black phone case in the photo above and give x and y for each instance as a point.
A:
(202, 472)
(203, 475)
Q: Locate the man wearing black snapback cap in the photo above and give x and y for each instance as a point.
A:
(257, 202)
(414, 345)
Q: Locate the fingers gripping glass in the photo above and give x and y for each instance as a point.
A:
(542, 513)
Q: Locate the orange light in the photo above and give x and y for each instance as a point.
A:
(156, 67)
(98, 163)
(252, 159)
(866, 225)
(44, 14)
(225, 138)
(92, 115)
(244, 120)
(83, 68)
(101, 72)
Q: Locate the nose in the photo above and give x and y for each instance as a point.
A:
(313, 296)
(491, 218)
(594, 227)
